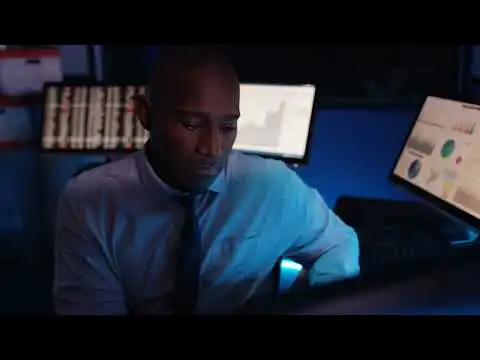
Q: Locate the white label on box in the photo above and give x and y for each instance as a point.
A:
(24, 76)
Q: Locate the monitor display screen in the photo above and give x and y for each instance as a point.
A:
(91, 117)
(275, 120)
(441, 157)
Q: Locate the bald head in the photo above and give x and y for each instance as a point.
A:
(191, 112)
(175, 66)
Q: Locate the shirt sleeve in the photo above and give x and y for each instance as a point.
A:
(323, 240)
(84, 281)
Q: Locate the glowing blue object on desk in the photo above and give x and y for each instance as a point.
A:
(289, 271)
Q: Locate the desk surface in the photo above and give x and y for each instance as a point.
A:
(449, 291)
(453, 288)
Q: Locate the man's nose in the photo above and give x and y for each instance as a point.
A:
(210, 143)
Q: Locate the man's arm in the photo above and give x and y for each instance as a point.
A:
(325, 245)
(84, 281)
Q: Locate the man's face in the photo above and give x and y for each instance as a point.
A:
(194, 128)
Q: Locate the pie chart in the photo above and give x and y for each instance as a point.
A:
(447, 148)
(414, 169)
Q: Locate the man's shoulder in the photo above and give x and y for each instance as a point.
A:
(103, 177)
(256, 170)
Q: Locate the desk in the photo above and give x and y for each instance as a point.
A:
(450, 291)
(452, 288)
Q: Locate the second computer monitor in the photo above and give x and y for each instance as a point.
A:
(275, 120)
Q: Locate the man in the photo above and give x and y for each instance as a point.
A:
(120, 239)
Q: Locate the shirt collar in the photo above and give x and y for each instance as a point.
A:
(155, 185)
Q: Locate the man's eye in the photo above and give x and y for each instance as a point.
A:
(228, 128)
(189, 126)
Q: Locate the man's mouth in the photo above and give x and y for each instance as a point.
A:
(207, 168)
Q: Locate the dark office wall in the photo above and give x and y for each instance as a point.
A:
(125, 62)
(352, 153)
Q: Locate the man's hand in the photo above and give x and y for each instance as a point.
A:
(301, 282)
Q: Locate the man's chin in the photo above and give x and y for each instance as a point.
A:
(200, 182)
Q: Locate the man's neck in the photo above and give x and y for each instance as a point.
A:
(159, 168)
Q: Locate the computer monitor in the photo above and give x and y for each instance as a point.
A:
(275, 121)
(93, 117)
(440, 160)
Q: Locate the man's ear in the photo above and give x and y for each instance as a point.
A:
(142, 111)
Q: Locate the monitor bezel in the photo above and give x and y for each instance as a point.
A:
(441, 205)
(304, 160)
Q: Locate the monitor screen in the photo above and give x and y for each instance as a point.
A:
(275, 120)
(440, 160)
(91, 117)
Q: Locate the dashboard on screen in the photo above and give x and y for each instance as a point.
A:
(91, 117)
(441, 156)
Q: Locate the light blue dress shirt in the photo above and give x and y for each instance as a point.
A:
(118, 224)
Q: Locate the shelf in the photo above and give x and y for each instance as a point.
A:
(16, 145)
(19, 53)
(20, 101)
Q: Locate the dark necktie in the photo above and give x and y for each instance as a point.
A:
(189, 260)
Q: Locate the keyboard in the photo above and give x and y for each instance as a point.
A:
(391, 249)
